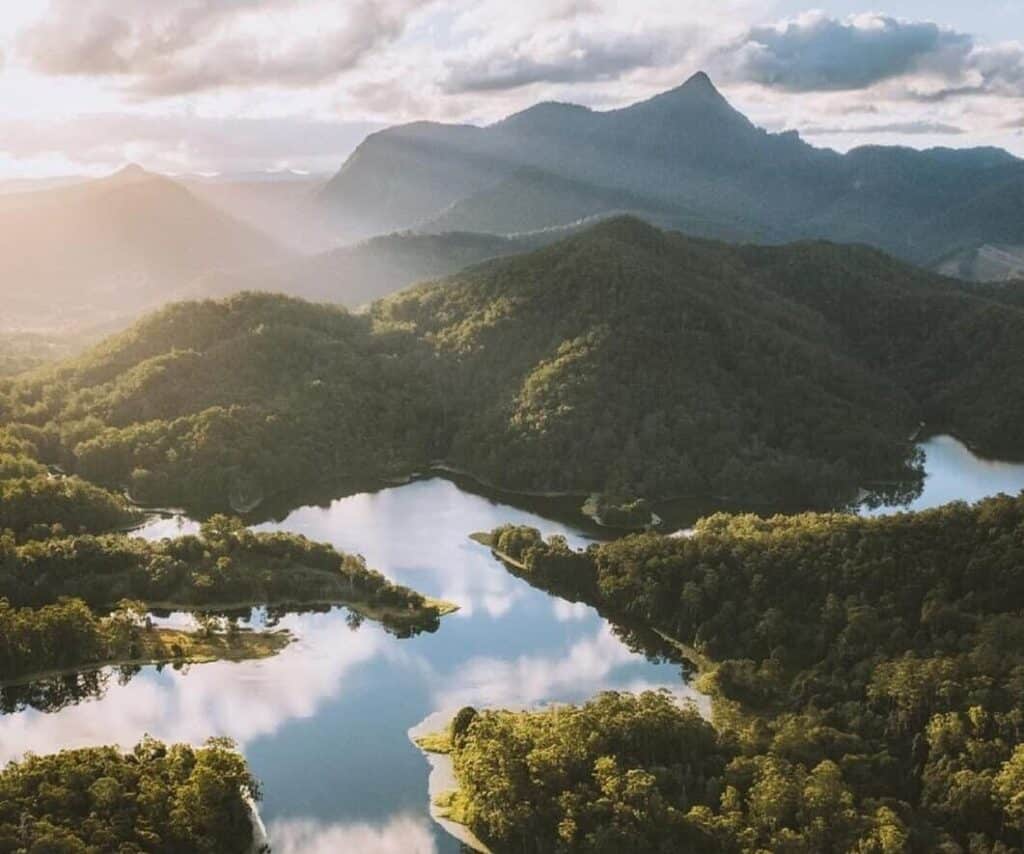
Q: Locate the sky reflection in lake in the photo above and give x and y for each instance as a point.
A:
(325, 723)
(953, 473)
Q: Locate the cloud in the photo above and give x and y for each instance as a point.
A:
(911, 128)
(815, 52)
(186, 143)
(1000, 68)
(476, 61)
(553, 46)
(571, 57)
(199, 45)
(244, 701)
(922, 61)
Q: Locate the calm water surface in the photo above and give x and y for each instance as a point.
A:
(325, 724)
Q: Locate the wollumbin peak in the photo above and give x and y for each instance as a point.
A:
(128, 173)
(699, 81)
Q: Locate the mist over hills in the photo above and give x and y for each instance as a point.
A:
(684, 159)
(356, 275)
(100, 249)
(276, 203)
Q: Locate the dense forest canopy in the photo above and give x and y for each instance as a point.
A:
(42, 506)
(165, 799)
(867, 678)
(622, 360)
(54, 646)
(634, 360)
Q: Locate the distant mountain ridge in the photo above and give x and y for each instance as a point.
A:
(99, 249)
(682, 159)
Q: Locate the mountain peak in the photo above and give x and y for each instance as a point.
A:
(129, 173)
(699, 87)
(700, 80)
(697, 96)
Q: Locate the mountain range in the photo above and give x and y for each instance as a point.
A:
(425, 200)
(684, 159)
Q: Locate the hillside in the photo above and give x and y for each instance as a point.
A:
(685, 159)
(217, 404)
(87, 253)
(804, 362)
(643, 362)
(621, 359)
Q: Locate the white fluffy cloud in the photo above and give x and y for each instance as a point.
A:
(570, 57)
(161, 48)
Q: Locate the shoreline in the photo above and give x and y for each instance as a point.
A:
(442, 606)
(278, 640)
(441, 781)
(379, 481)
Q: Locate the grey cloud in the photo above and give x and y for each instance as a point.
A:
(193, 46)
(947, 93)
(818, 53)
(913, 128)
(580, 58)
(1001, 68)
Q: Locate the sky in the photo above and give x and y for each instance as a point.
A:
(259, 85)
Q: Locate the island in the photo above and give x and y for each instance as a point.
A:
(78, 602)
(68, 637)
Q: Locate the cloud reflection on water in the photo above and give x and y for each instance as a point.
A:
(403, 834)
(243, 700)
(325, 721)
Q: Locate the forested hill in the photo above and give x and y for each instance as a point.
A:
(955, 348)
(648, 361)
(217, 404)
(622, 359)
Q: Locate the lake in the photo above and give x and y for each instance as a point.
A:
(325, 724)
